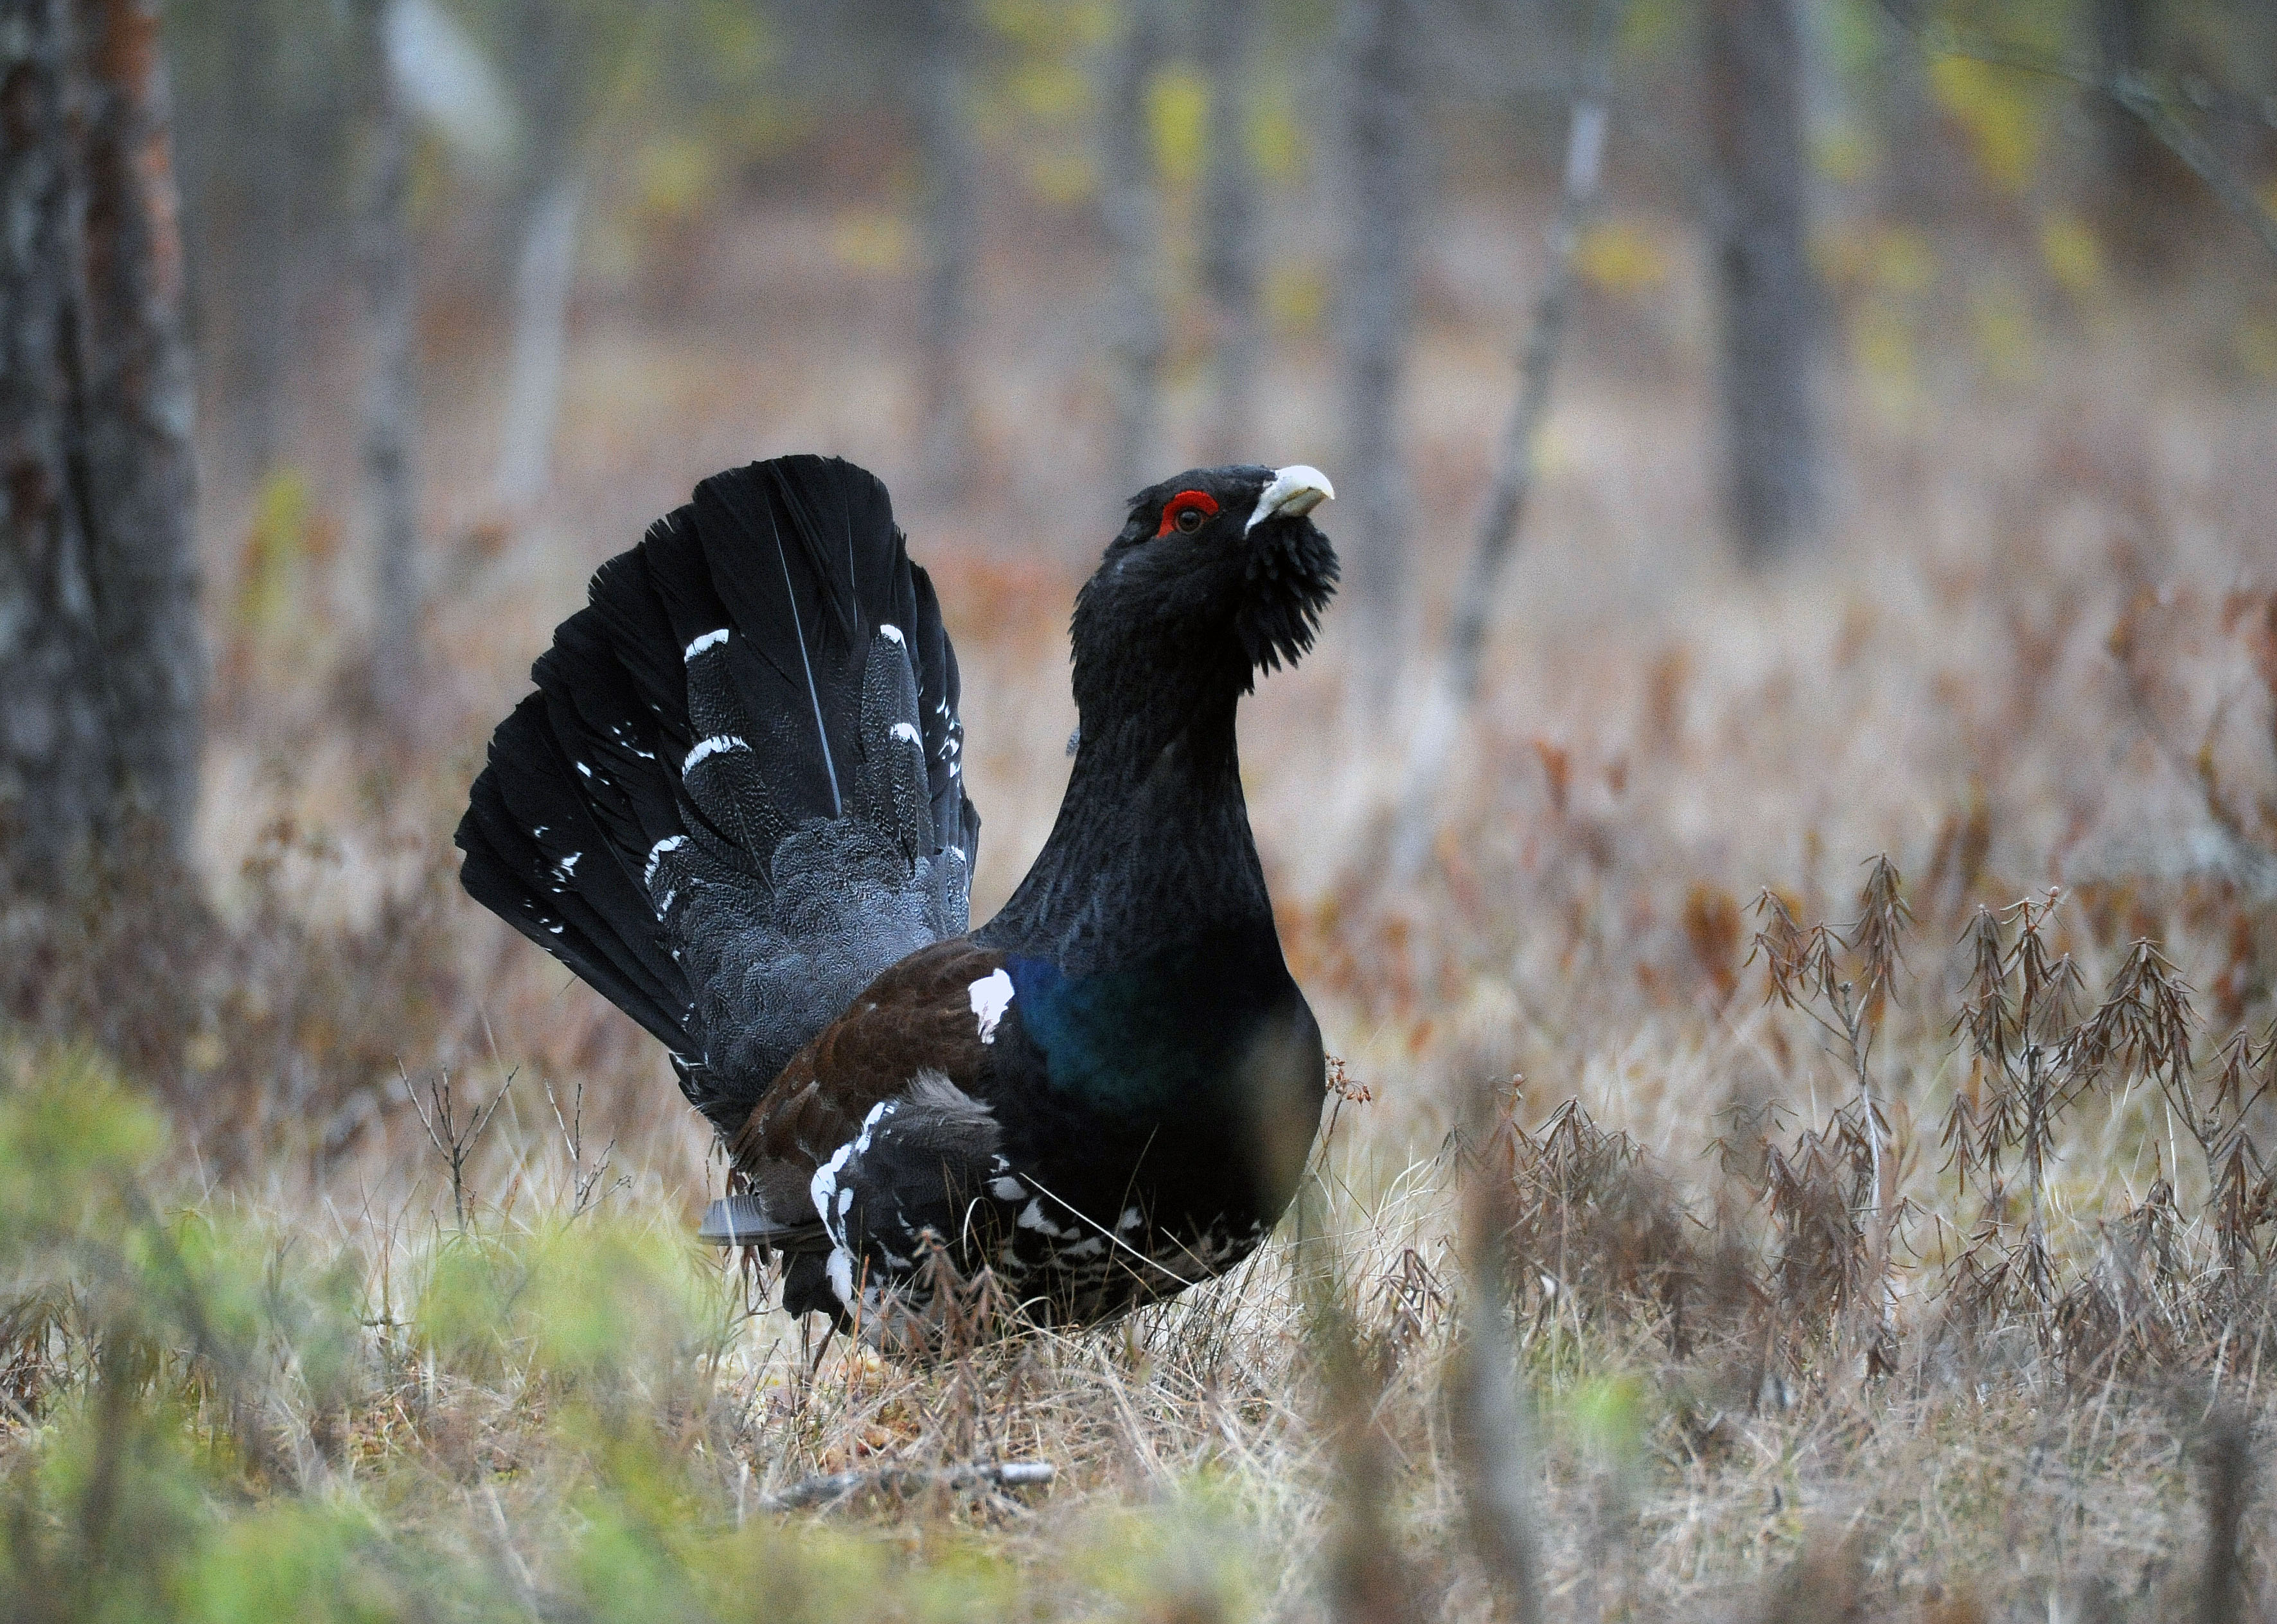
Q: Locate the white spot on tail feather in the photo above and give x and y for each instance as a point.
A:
(830, 1202)
(905, 733)
(890, 632)
(670, 843)
(822, 1189)
(719, 744)
(1032, 1217)
(710, 640)
(991, 995)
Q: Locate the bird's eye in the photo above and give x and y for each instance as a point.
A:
(1185, 512)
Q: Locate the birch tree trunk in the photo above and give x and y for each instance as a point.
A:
(952, 240)
(1232, 210)
(1447, 705)
(543, 273)
(391, 405)
(101, 669)
(1770, 301)
(551, 197)
(1131, 210)
(1382, 39)
(257, 258)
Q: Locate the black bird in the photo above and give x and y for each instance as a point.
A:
(735, 805)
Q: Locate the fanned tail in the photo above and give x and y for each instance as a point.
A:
(737, 795)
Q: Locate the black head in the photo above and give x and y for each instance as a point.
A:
(1218, 573)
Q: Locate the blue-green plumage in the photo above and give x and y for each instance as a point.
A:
(1165, 1033)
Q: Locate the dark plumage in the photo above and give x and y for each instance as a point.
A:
(734, 806)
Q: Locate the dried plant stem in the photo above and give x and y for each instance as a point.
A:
(453, 1140)
(585, 1190)
(1492, 1440)
(833, 1487)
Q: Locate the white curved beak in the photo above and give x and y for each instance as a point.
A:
(1295, 490)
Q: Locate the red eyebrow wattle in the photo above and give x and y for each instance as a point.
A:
(1178, 504)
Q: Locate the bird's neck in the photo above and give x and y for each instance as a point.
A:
(1151, 848)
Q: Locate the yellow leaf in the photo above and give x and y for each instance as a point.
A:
(874, 241)
(675, 177)
(2074, 257)
(2257, 346)
(270, 565)
(1621, 257)
(1063, 177)
(2002, 326)
(1178, 118)
(1277, 135)
(1296, 297)
(2002, 117)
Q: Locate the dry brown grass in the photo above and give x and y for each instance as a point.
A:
(1913, 1265)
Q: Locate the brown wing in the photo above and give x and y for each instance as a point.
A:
(916, 1017)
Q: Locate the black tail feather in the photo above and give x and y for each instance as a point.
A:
(955, 822)
(766, 663)
(536, 856)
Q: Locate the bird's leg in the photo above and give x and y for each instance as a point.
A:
(829, 1334)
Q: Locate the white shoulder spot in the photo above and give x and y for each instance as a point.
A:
(991, 995)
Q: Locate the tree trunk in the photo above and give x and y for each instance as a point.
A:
(543, 276)
(2142, 194)
(101, 669)
(1432, 739)
(1131, 210)
(59, 786)
(1232, 212)
(550, 196)
(136, 413)
(952, 232)
(258, 253)
(1769, 302)
(1383, 125)
(392, 406)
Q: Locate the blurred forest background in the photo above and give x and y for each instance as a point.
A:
(1767, 433)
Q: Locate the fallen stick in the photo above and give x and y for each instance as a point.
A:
(835, 1487)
